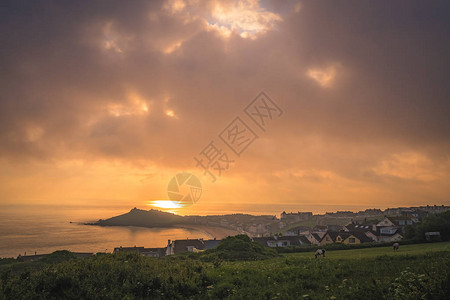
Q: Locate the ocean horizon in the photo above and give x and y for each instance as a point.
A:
(43, 230)
(47, 228)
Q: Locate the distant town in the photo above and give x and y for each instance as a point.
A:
(295, 223)
(290, 229)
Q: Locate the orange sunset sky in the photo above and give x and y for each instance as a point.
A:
(103, 102)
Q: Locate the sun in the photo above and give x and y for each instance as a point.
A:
(165, 204)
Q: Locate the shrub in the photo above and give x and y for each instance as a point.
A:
(434, 222)
(239, 247)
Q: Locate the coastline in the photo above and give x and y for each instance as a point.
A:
(212, 231)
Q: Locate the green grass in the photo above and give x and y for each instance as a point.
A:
(372, 273)
(414, 249)
(414, 272)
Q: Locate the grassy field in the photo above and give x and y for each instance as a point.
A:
(415, 249)
(414, 272)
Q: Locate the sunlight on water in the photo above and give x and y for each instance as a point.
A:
(46, 229)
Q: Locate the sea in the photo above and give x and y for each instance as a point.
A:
(41, 229)
(44, 229)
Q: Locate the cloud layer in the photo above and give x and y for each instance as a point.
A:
(137, 89)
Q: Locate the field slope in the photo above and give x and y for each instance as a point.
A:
(415, 272)
(415, 249)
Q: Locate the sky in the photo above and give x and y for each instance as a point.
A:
(102, 103)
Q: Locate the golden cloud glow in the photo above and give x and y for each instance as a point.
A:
(408, 165)
(110, 39)
(174, 6)
(246, 18)
(170, 113)
(324, 77)
(112, 45)
(172, 47)
(135, 105)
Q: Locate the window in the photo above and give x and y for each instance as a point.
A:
(351, 240)
(387, 231)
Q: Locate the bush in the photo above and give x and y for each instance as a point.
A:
(432, 223)
(410, 285)
(239, 247)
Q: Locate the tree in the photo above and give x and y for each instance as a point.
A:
(435, 222)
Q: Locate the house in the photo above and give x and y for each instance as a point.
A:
(385, 222)
(360, 227)
(434, 236)
(345, 238)
(315, 237)
(370, 230)
(282, 241)
(329, 227)
(40, 256)
(299, 230)
(390, 228)
(296, 217)
(333, 237)
(154, 252)
(209, 244)
(128, 249)
(320, 228)
(340, 214)
(389, 234)
(190, 245)
(292, 232)
(363, 236)
(396, 221)
(150, 252)
(334, 227)
(31, 257)
(370, 212)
